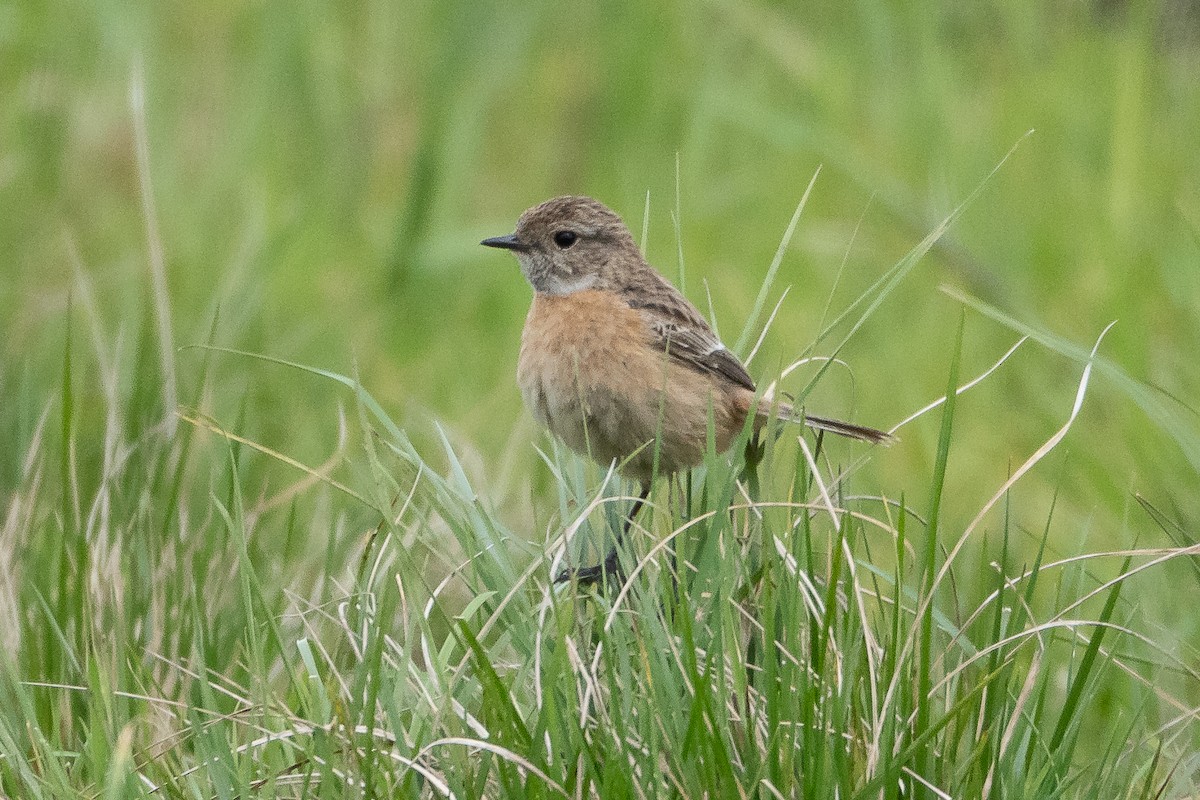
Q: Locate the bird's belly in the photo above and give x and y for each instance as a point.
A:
(588, 372)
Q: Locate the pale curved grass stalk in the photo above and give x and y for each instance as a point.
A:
(968, 385)
(503, 752)
(1167, 555)
(1164, 555)
(221, 688)
(768, 393)
(1033, 460)
(862, 459)
(1025, 635)
(923, 607)
(213, 426)
(285, 495)
(928, 785)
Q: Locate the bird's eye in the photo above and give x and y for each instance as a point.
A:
(565, 239)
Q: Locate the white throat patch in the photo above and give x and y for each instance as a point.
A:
(557, 286)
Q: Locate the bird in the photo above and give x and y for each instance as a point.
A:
(618, 364)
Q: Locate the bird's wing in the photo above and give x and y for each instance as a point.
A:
(679, 330)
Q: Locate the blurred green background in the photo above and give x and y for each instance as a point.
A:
(322, 173)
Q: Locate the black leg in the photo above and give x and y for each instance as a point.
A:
(610, 565)
(755, 447)
(820, 442)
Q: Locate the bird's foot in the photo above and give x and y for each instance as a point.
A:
(585, 576)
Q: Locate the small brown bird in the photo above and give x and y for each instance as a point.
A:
(616, 362)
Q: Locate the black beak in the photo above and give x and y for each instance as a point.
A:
(509, 242)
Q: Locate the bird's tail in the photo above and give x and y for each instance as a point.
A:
(769, 407)
(785, 411)
(849, 429)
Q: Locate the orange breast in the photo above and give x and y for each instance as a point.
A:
(575, 345)
(591, 372)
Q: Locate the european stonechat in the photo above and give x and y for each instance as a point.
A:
(616, 362)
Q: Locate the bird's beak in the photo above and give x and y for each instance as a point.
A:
(509, 242)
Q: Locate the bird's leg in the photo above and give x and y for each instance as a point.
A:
(820, 443)
(753, 456)
(610, 565)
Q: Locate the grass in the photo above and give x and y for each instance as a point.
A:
(230, 577)
(813, 641)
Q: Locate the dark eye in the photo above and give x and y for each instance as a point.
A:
(565, 239)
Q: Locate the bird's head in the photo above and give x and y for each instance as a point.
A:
(569, 244)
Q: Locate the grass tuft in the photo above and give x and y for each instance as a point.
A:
(805, 637)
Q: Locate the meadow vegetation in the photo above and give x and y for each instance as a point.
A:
(274, 522)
